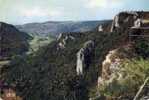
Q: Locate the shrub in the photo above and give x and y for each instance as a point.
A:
(142, 47)
(134, 73)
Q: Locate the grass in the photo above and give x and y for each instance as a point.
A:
(38, 42)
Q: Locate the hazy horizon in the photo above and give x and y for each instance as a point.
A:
(34, 11)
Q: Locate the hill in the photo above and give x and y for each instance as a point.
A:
(54, 28)
(12, 41)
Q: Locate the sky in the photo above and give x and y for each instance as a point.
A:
(28, 11)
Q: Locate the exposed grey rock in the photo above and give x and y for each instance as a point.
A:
(63, 38)
(138, 23)
(60, 36)
(100, 28)
(83, 57)
(123, 21)
(110, 68)
(80, 62)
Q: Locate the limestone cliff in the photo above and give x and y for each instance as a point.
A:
(135, 26)
(84, 57)
(64, 38)
(112, 63)
(124, 21)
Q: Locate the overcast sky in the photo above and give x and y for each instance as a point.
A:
(27, 11)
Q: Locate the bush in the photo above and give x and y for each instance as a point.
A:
(134, 73)
(142, 47)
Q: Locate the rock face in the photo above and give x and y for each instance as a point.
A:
(65, 38)
(109, 66)
(12, 41)
(138, 23)
(112, 62)
(104, 27)
(123, 21)
(100, 28)
(126, 20)
(84, 57)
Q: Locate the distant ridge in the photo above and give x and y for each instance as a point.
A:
(54, 28)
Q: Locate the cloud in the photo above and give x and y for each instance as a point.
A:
(24, 11)
(40, 12)
(103, 3)
(96, 3)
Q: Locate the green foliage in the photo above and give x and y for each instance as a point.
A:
(38, 42)
(142, 47)
(50, 73)
(134, 73)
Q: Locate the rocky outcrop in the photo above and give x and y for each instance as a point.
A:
(84, 57)
(138, 23)
(63, 38)
(12, 41)
(104, 27)
(100, 28)
(123, 21)
(112, 62)
(109, 66)
(141, 26)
